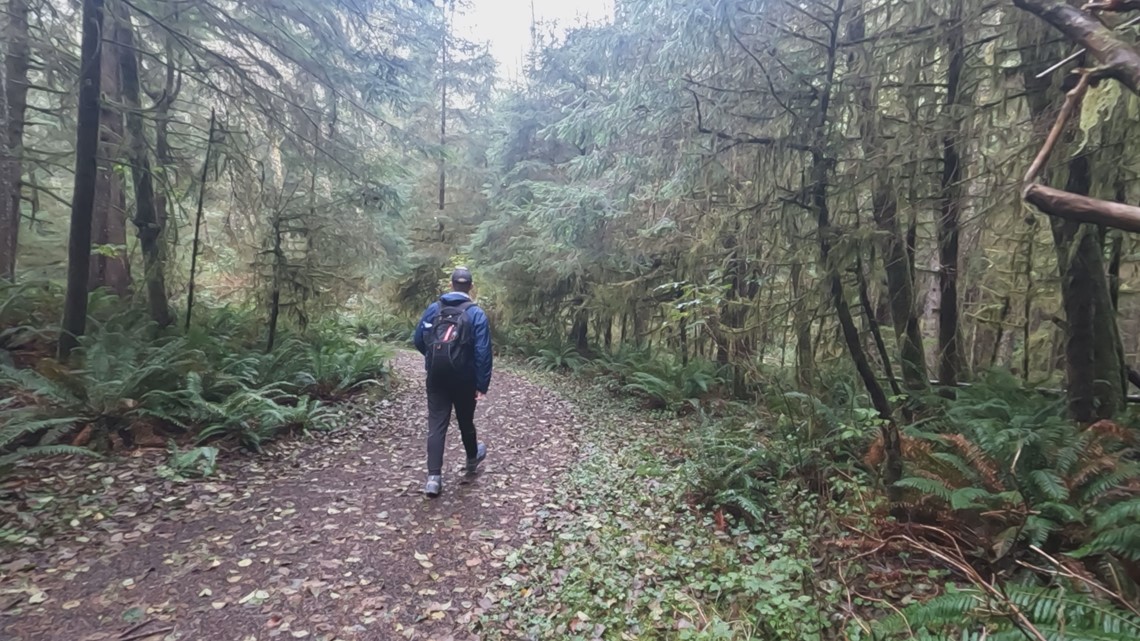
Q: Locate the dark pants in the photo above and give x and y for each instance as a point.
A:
(441, 398)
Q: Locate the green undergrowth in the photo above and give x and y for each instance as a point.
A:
(631, 553)
(131, 383)
(771, 521)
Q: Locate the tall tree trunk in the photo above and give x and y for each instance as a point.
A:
(884, 210)
(1095, 370)
(950, 210)
(109, 266)
(83, 192)
(443, 115)
(198, 223)
(580, 331)
(818, 200)
(818, 194)
(9, 207)
(900, 293)
(805, 356)
(146, 215)
(14, 86)
(162, 151)
(275, 286)
(873, 325)
(1094, 355)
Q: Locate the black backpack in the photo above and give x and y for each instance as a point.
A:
(450, 343)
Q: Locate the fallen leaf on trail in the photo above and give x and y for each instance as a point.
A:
(245, 563)
(473, 561)
(133, 615)
(256, 597)
(71, 605)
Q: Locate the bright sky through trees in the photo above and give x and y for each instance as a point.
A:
(505, 24)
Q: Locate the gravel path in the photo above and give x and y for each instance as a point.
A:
(323, 539)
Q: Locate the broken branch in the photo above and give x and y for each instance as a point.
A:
(1083, 209)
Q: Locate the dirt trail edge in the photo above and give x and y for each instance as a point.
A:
(325, 539)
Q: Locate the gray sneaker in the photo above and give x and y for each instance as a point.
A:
(473, 463)
(434, 485)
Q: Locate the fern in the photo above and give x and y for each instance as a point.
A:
(1053, 611)
(558, 358)
(1021, 469)
(928, 486)
(42, 451)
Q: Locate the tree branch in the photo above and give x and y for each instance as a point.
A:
(1072, 101)
(1083, 209)
(1113, 6)
(742, 139)
(1118, 58)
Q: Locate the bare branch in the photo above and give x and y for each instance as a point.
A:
(1072, 101)
(742, 139)
(1082, 209)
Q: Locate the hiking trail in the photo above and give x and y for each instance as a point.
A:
(325, 538)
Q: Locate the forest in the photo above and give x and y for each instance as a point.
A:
(814, 319)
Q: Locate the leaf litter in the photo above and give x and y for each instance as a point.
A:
(324, 538)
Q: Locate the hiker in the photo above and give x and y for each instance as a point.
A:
(455, 339)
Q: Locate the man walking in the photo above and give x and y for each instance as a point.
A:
(455, 339)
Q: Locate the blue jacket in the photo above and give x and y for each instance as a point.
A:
(483, 357)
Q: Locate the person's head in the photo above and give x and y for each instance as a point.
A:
(461, 280)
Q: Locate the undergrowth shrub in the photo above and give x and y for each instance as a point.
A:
(1022, 611)
(730, 466)
(213, 383)
(662, 380)
(557, 358)
(1005, 464)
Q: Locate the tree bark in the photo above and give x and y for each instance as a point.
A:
(275, 286)
(162, 151)
(83, 192)
(805, 358)
(1115, 257)
(15, 90)
(150, 232)
(1095, 370)
(579, 332)
(109, 266)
